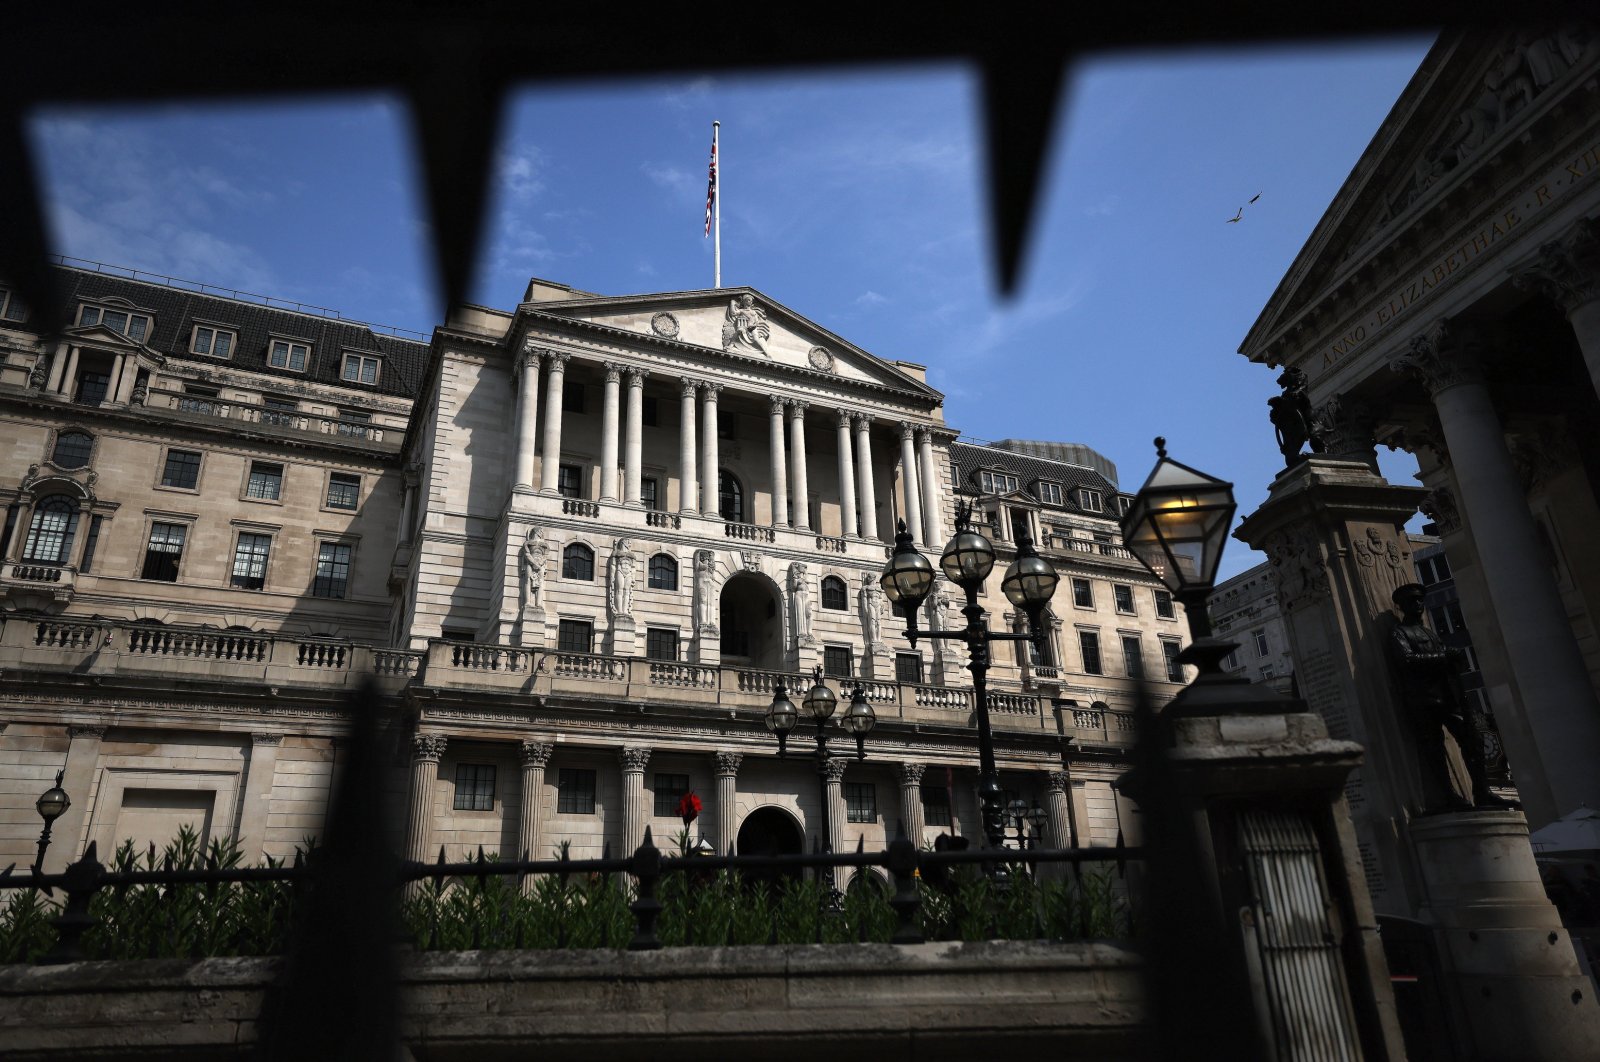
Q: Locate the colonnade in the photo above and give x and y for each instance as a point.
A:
(699, 460)
(63, 374)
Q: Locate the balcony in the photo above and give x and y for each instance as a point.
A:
(31, 584)
(273, 419)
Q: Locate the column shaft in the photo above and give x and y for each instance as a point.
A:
(130, 375)
(847, 478)
(634, 759)
(115, 387)
(780, 462)
(257, 801)
(727, 768)
(425, 752)
(911, 802)
(797, 455)
(908, 485)
(535, 755)
(68, 832)
(929, 469)
(688, 485)
(834, 811)
(711, 467)
(556, 377)
(70, 374)
(868, 491)
(608, 434)
(635, 446)
(1059, 833)
(527, 415)
(58, 367)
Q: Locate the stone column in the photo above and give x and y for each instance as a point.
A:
(556, 379)
(425, 752)
(1568, 272)
(780, 462)
(68, 833)
(634, 759)
(608, 434)
(867, 491)
(118, 363)
(534, 755)
(635, 446)
(727, 768)
(1059, 831)
(929, 469)
(832, 771)
(69, 373)
(908, 485)
(688, 485)
(797, 457)
(711, 467)
(1562, 716)
(130, 374)
(257, 800)
(911, 801)
(848, 525)
(527, 372)
(58, 366)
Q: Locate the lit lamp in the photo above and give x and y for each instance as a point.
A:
(51, 805)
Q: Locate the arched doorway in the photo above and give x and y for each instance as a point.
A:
(751, 623)
(768, 832)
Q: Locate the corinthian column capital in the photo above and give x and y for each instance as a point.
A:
(427, 748)
(1567, 270)
(613, 372)
(636, 376)
(1447, 355)
(1057, 781)
(833, 767)
(634, 757)
(908, 431)
(529, 357)
(687, 387)
(558, 359)
(535, 753)
(728, 763)
(911, 773)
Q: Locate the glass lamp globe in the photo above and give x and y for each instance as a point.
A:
(781, 714)
(820, 701)
(53, 802)
(1036, 817)
(968, 559)
(1031, 580)
(908, 577)
(1178, 524)
(859, 718)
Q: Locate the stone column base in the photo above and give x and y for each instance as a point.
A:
(1518, 988)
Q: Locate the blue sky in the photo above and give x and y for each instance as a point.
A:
(857, 199)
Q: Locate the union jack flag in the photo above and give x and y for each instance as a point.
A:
(711, 184)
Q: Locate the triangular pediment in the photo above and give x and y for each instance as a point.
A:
(739, 323)
(100, 335)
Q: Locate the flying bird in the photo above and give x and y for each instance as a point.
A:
(1255, 197)
(1237, 216)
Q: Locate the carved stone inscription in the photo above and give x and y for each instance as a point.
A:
(1318, 677)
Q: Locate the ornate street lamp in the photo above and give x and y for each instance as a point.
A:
(859, 719)
(1027, 821)
(967, 561)
(51, 805)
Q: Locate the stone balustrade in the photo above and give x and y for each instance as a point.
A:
(207, 407)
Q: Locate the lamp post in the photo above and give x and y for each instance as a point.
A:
(51, 805)
(1029, 583)
(1023, 819)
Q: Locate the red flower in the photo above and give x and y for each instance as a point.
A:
(689, 807)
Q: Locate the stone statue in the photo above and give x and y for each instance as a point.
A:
(705, 590)
(938, 606)
(533, 555)
(870, 599)
(619, 594)
(799, 604)
(1425, 670)
(1291, 417)
(744, 329)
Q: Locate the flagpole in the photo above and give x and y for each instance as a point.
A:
(716, 209)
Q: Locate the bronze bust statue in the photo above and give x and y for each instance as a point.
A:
(1426, 671)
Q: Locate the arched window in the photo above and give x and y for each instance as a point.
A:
(50, 535)
(577, 562)
(730, 498)
(834, 594)
(663, 572)
(72, 449)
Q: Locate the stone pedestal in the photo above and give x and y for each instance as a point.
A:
(1517, 988)
(530, 629)
(624, 636)
(877, 664)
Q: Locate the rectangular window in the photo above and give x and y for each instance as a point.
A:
(1050, 493)
(265, 482)
(908, 667)
(575, 636)
(1261, 641)
(1132, 656)
(92, 387)
(182, 470)
(650, 493)
(1267, 671)
(211, 341)
(1020, 526)
(1090, 500)
(569, 481)
(1169, 653)
(201, 400)
(1469, 658)
(1089, 645)
(837, 662)
(574, 792)
(89, 544)
(571, 397)
(355, 425)
(344, 491)
(474, 787)
(997, 482)
(935, 806)
(250, 561)
(359, 368)
(1082, 593)
(1458, 622)
(134, 326)
(11, 308)
(1124, 597)
(163, 552)
(1164, 605)
(333, 570)
(280, 412)
(282, 354)
(660, 644)
(860, 802)
(669, 789)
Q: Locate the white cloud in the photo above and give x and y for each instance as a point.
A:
(521, 167)
(1105, 208)
(693, 94)
(870, 298)
(675, 179)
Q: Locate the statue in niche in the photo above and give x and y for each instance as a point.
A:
(744, 328)
(619, 594)
(938, 606)
(1291, 417)
(705, 590)
(533, 555)
(1426, 671)
(799, 604)
(870, 600)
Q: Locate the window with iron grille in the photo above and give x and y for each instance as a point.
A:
(577, 562)
(860, 802)
(574, 791)
(211, 341)
(660, 643)
(1082, 593)
(360, 368)
(163, 552)
(834, 594)
(663, 572)
(1164, 605)
(837, 662)
(92, 387)
(50, 534)
(265, 482)
(569, 481)
(1169, 653)
(1089, 645)
(1124, 596)
(90, 543)
(344, 491)
(333, 570)
(935, 806)
(282, 354)
(474, 787)
(250, 561)
(72, 449)
(908, 667)
(1132, 656)
(182, 470)
(575, 636)
(669, 789)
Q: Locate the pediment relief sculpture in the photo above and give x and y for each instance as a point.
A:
(744, 327)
